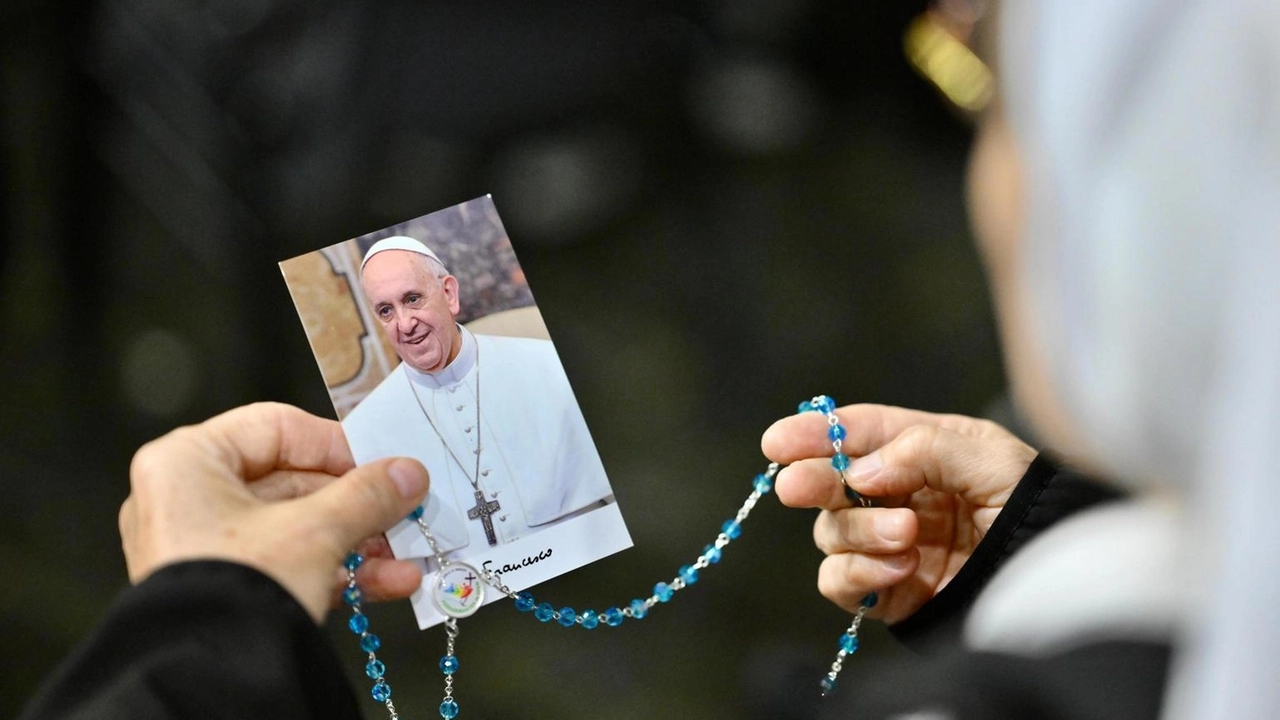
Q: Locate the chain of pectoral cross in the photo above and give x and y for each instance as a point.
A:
(484, 510)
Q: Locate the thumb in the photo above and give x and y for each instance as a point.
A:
(981, 470)
(368, 500)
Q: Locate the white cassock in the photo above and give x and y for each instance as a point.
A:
(536, 457)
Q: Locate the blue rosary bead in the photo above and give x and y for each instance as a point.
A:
(544, 612)
(663, 591)
(689, 574)
(567, 617)
(849, 642)
(732, 529)
(638, 609)
(358, 623)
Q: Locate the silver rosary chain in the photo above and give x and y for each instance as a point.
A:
(494, 578)
(639, 608)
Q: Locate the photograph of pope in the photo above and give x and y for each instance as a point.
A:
(492, 418)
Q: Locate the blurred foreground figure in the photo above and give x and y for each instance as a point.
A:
(1123, 186)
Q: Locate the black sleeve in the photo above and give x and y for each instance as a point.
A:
(204, 639)
(1113, 680)
(1046, 494)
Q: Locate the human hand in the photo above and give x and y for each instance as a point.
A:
(194, 497)
(381, 576)
(940, 481)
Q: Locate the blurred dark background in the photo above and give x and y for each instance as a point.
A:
(723, 207)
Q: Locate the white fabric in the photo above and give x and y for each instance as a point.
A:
(399, 242)
(1109, 572)
(537, 459)
(1150, 136)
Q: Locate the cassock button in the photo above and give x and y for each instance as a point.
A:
(459, 408)
(468, 429)
(484, 473)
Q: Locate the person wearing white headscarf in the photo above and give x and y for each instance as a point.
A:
(1150, 136)
(1126, 193)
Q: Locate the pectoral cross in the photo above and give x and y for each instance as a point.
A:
(484, 511)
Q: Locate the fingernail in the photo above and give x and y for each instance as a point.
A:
(865, 466)
(409, 477)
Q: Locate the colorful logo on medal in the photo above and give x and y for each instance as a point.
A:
(457, 590)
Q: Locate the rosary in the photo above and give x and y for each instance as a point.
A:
(457, 594)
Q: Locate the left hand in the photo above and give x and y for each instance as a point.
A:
(940, 481)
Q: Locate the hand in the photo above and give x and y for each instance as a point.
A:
(940, 481)
(193, 497)
(381, 576)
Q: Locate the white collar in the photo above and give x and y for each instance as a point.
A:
(453, 373)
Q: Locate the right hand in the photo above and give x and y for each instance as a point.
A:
(192, 498)
(940, 481)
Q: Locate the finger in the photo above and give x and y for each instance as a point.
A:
(128, 521)
(810, 484)
(375, 547)
(846, 578)
(288, 484)
(876, 531)
(813, 483)
(867, 427)
(364, 502)
(981, 471)
(383, 579)
(257, 439)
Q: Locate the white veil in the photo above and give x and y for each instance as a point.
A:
(1150, 139)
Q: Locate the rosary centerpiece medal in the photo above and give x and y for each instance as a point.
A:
(457, 590)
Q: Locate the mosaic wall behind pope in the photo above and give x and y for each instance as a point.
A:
(349, 344)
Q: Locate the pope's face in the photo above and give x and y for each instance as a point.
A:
(416, 308)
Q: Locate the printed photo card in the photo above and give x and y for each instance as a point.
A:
(432, 347)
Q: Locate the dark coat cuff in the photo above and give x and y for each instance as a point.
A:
(1046, 494)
